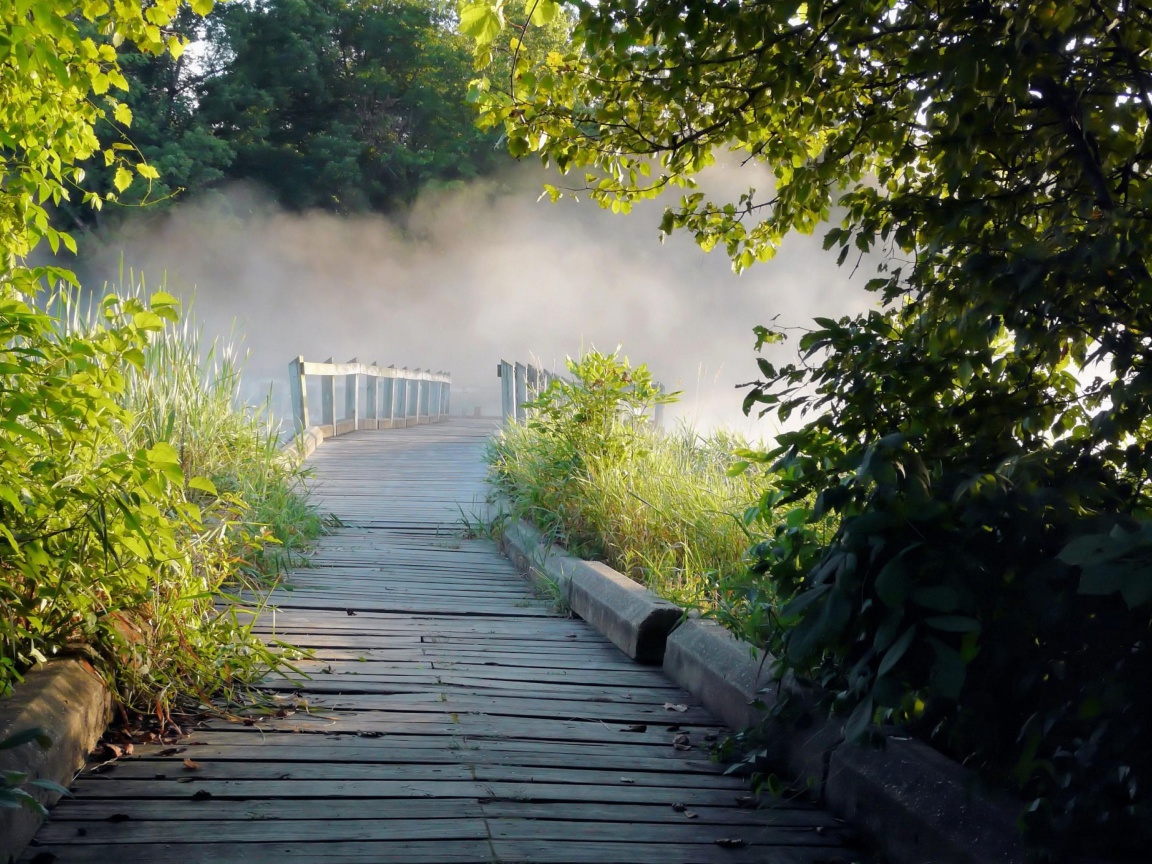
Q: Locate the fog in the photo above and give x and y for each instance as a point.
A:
(478, 273)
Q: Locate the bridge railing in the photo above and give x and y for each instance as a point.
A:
(393, 398)
(520, 383)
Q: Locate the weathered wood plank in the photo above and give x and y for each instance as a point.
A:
(452, 718)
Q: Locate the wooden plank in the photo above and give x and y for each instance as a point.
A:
(453, 717)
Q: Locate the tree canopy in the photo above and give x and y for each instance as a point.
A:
(344, 105)
(964, 514)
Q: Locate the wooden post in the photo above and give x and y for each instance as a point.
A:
(389, 397)
(507, 390)
(434, 401)
(371, 400)
(447, 409)
(521, 375)
(328, 400)
(299, 394)
(352, 397)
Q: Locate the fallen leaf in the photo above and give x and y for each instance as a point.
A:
(128, 748)
(349, 611)
(191, 766)
(746, 801)
(679, 808)
(673, 706)
(688, 814)
(201, 795)
(682, 742)
(729, 842)
(627, 780)
(115, 750)
(171, 751)
(639, 727)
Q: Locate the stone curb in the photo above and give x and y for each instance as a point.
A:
(917, 806)
(632, 617)
(303, 445)
(68, 700)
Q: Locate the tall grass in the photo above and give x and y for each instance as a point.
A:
(239, 519)
(661, 508)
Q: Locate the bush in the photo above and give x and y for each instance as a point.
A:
(114, 533)
(591, 471)
(986, 586)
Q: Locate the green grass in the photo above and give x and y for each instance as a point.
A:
(149, 582)
(662, 510)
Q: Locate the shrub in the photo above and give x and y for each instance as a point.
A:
(114, 533)
(590, 470)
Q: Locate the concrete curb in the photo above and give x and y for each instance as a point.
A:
(303, 445)
(917, 806)
(632, 617)
(69, 701)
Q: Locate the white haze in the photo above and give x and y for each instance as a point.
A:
(477, 274)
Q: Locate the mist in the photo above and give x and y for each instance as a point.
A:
(478, 273)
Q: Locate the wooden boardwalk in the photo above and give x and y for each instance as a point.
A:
(449, 716)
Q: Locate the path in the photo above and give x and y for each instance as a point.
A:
(449, 716)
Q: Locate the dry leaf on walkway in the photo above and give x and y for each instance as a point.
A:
(191, 766)
(673, 706)
(729, 842)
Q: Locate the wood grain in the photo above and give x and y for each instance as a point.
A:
(445, 715)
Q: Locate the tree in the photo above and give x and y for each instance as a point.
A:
(981, 445)
(348, 105)
(56, 84)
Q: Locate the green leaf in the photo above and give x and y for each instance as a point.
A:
(482, 21)
(122, 179)
(894, 654)
(953, 623)
(940, 598)
(203, 484)
(541, 11)
(25, 737)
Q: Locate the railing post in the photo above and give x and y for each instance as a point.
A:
(390, 398)
(521, 376)
(507, 390)
(371, 398)
(414, 411)
(328, 399)
(434, 401)
(299, 394)
(352, 397)
(447, 397)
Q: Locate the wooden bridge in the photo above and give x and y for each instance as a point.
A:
(449, 716)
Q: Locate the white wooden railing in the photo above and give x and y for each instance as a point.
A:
(393, 398)
(520, 383)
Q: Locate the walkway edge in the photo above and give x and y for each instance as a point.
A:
(917, 806)
(632, 617)
(69, 701)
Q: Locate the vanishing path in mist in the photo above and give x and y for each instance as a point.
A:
(449, 716)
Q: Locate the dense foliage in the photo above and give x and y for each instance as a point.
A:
(982, 442)
(344, 105)
(589, 469)
(113, 534)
